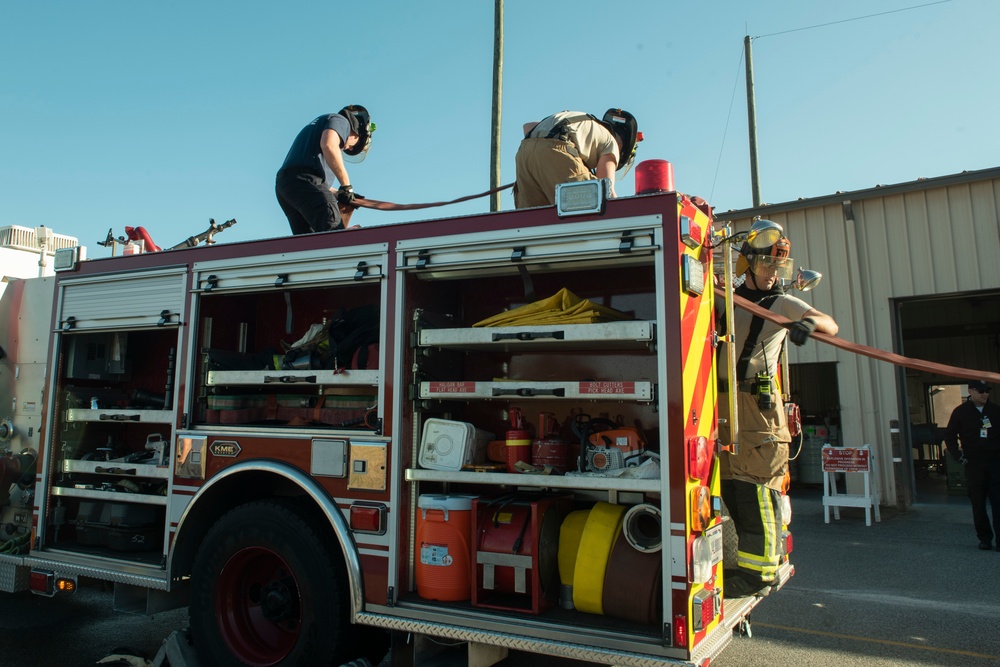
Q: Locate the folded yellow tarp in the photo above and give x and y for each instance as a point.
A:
(563, 307)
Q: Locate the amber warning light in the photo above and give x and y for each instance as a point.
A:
(45, 582)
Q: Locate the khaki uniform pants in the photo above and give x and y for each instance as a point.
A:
(541, 165)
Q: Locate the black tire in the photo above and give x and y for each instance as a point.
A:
(268, 590)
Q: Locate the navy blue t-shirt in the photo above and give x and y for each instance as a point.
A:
(305, 153)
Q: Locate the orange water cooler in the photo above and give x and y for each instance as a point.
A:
(444, 529)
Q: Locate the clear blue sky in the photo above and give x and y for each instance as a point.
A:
(167, 114)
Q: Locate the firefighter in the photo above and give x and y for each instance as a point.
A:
(302, 185)
(752, 478)
(973, 439)
(572, 146)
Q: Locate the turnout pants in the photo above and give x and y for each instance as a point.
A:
(541, 165)
(756, 513)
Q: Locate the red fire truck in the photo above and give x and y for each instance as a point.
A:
(496, 431)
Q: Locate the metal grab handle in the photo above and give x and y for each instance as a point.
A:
(529, 335)
(288, 379)
(120, 418)
(528, 391)
(116, 471)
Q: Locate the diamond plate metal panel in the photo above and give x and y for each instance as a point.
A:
(13, 574)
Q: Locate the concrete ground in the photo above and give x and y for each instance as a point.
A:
(910, 591)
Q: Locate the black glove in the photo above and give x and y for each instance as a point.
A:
(799, 331)
(345, 195)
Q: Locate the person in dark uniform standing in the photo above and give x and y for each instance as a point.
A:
(302, 186)
(973, 439)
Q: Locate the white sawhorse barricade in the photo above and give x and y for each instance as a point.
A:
(849, 460)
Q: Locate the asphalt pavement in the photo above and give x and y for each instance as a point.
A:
(912, 590)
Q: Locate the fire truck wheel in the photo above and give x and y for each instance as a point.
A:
(730, 540)
(267, 590)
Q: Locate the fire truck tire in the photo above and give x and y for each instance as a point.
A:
(267, 589)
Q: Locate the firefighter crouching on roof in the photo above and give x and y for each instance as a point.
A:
(302, 186)
(752, 478)
(572, 146)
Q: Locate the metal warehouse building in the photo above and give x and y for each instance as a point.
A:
(914, 269)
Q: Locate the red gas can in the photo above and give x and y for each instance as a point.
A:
(518, 441)
(550, 449)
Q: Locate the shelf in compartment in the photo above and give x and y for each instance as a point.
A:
(117, 469)
(539, 481)
(626, 335)
(299, 378)
(114, 496)
(627, 390)
(120, 415)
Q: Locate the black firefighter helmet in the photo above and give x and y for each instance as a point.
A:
(622, 124)
(361, 125)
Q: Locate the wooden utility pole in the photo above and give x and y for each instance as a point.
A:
(752, 123)
(497, 104)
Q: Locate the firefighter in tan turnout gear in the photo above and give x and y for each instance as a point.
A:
(752, 477)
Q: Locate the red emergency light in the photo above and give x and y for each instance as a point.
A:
(368, 518)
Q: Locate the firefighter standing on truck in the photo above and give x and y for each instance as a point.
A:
(302, 186)
(572, 146)
(752, 478)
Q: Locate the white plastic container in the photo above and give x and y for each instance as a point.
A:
(448, 445)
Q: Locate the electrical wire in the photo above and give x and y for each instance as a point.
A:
(856, 18)
(783, 32)
(725, 130)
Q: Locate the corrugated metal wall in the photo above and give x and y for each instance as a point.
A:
(932, 237)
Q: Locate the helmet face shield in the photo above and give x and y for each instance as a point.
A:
(362, 126)
(623, 125)
(768, 265)
(360, 150)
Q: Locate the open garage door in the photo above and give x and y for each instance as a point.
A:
(958, 330)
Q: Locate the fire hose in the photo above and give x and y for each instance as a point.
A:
(855, 348)
(363, 202)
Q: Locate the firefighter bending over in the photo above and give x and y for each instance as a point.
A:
(572, 146)
(752, 479)
(302, 185)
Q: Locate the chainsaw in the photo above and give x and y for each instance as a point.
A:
(607, 446)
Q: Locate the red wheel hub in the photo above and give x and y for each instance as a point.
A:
(259, 605)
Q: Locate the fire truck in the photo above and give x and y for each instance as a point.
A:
(496, 432)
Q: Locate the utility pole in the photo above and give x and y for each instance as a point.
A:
(752, 123)
(497, 99)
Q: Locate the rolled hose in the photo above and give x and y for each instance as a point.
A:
(602, 529)
(14, 545)
(641, 527)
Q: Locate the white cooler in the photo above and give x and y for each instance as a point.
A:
(448, 445)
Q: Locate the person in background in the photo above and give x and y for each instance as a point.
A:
(752, 478)
(572, 146)
(302, 187)
(973, 439)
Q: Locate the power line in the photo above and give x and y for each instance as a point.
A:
(725, 130)
(856, 18)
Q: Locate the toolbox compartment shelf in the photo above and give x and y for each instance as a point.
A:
(535, 481)
(598, 336)
(97, 494)
(369, 378)
(120, 415)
